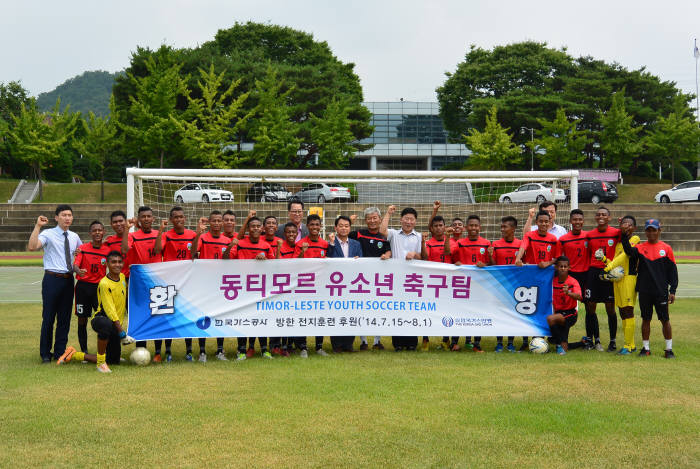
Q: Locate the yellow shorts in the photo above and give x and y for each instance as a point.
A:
(625, 294)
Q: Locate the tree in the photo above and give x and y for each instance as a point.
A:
(12, 97)
(676, 139)
(274, 133)
(89, 91)
(36, 138)
(493, 148)
(618, 137)
(306, 68)
(99, 143)
(562, 143)
(150, 119)
(213, 122)
(332, 136)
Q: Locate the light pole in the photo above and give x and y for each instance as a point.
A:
(532, 146)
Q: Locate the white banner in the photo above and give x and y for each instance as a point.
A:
(326, 297)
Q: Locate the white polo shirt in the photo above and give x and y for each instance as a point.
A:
(402, 243)
(52, 241)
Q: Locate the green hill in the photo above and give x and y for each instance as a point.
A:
(87, 92)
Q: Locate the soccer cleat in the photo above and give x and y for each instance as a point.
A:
(304, 354)
(221, 356)
(188, 357)
(276, 351)
(157, 358)
(477, 348)
(499, 348)
(524, 348)
(468, 345)
(455, 348)
(241, 356)
(250, 353)
(202, 357)
(669, 354)
(267, 355)
(644, 352)
(624, 351)
(560, 350)
(168, 357)
(511, 348)
(364, 346)
(103, 368)
(66, 356)
(321, 352)
(612, 346)
(378, 346)
(599, 347)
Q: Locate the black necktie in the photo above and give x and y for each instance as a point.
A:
(66, 249)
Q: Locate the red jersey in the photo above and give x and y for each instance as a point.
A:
(540, 248)
(94, 260)
(142, 248)
(273, 245)
(560, 300)
(316, 249)
(176, 246)
(470, 252)
(504, 252)
(602, 239)
(287, 251)
(246, 249)
(211, 247)
(575, 247)
(115, 244)
(436, 250)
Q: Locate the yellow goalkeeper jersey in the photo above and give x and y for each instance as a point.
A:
(111, 298)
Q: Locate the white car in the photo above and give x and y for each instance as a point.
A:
(533, 192)
(684, 192)
(202, 192)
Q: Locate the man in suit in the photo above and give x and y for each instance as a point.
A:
(339, 245)
(295, 212)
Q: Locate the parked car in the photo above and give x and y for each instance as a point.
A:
(322, 192)
(267, 192)
(202, 192)
(683, 192)
(596, 192)
(533, 192)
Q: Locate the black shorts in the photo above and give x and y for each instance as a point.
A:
(570, 317)
(597, 290)
(106, 331)
(647, 303)
(85, 299)
(580, 278)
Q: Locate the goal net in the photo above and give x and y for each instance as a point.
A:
(330, 193)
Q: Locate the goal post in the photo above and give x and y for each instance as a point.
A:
(339, 192)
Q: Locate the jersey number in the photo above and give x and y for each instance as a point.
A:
(181, 254)
(94, 268)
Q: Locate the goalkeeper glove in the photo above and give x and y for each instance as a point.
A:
(126, 340)
(600, 255)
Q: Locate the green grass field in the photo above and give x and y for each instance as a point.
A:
(69, 193)
(386, 409)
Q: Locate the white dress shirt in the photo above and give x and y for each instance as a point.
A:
(52, 241)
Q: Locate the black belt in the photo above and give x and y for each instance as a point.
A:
(56, 274)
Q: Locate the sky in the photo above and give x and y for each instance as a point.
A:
(401, 49)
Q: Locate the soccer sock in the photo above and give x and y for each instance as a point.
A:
(499, 340)
(363, 339)
(168, 346)
(592, 326)
(554, 329)
(219, 345)
(203, 345)
(188, 346)
(157, 344)
(510, 340)
(467, 340)
(78, 356)
(377, 339)
(628, 329)
(645, 344)
(612, 326)
(101, 359)
(241, 344)
(669, 344)
(82, 337)
(477, 341)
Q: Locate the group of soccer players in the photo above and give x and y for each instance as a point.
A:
(583, 263)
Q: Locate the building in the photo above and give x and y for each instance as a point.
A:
(408, 135)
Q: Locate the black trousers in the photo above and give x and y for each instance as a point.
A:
(57, 304)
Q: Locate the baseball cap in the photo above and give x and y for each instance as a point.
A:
(652, 223)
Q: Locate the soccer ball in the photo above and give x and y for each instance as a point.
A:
(538, 345)
(140, 356)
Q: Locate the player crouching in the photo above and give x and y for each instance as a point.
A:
(566, 292)
(111, 309)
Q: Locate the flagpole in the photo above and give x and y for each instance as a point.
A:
(696, 54)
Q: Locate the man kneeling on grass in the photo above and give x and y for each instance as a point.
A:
(566, 292)
(111, 297)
